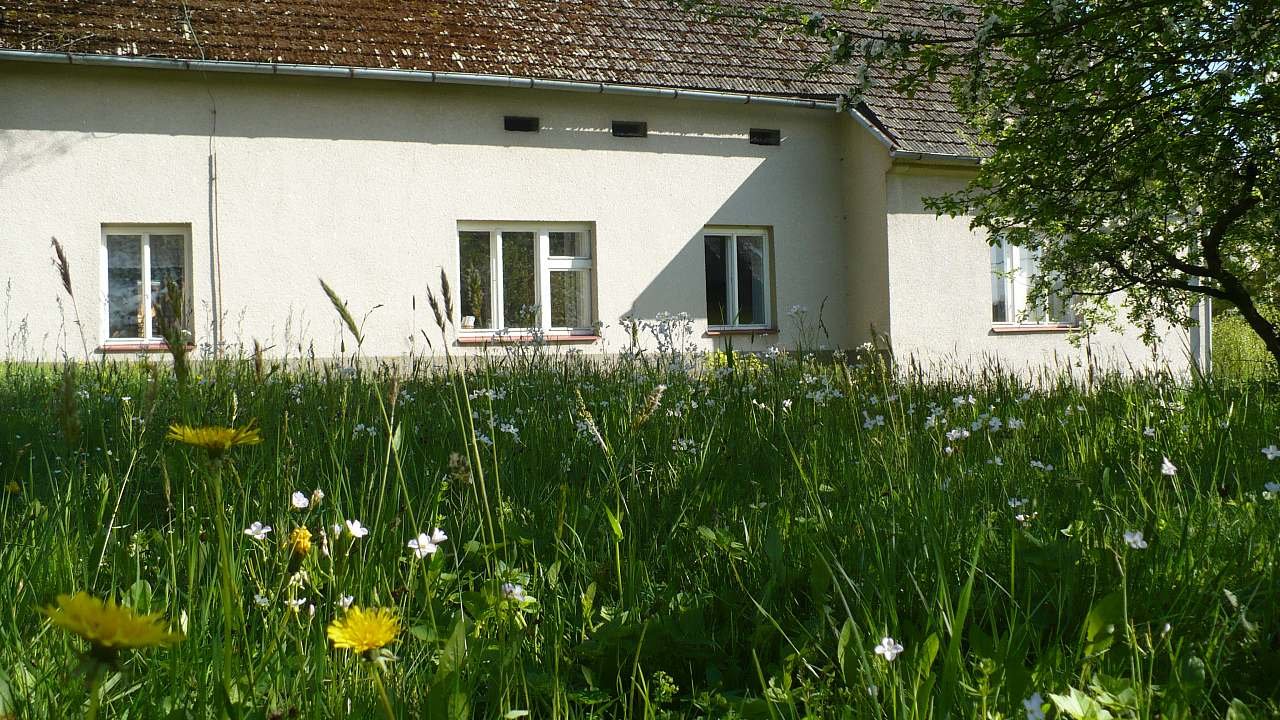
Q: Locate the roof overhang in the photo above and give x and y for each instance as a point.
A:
(925, 158)
(866, 117)
(860, 113)
(417, 76)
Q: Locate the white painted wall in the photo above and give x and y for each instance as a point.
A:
(364, 183)
(940, 294)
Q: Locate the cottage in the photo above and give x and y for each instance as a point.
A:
(565, 164)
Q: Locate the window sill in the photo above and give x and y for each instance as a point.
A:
(1032, 329)
(136, 347)
(722, 331)
(496, 339)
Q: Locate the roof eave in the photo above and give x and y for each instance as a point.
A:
(421, 76)
(932, 158)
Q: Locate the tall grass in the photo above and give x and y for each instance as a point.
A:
(648, 538)
(1238, 352)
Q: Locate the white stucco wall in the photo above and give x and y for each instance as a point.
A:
(940, 294)
(364, 183)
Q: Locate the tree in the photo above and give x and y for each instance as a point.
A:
(1133, 144)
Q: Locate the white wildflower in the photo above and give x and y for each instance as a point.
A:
(1034, 706)
(512, 591)
(425, 545)
(888, 649)
(356, 529)
(257, 531)
(1133, 538)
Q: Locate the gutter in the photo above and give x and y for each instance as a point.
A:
(934, 158)
(872, 128)
(422, 76)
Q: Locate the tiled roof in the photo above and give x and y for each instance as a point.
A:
(635, 42)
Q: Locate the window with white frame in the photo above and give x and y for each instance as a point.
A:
(738, 276)
(525, 276)
(1012, 270)
(137, 264)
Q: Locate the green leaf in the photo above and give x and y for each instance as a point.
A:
(1079, 706)
(842, 649)
(1237, 710)
(1100, 625)
(614, 525)
(925, 677)
(139, 596)
(455, 649)
(927, 653)
(7, 707)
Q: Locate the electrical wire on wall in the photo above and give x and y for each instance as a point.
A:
(215, 242)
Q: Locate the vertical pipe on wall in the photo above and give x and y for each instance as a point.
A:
(215, 252)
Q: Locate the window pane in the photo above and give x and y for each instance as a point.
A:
(519, 308)
(474, 270)
(124, 286)
(999, 285)
(569, 244)
(1028, 268)
(716, 256)
(571, 299)
(753, 286)
(168, 262)
(1060, 305)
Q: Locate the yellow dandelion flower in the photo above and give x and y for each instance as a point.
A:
(300, 540)
(217, 440)
(109, 627)
(14, 488)
(364, 630)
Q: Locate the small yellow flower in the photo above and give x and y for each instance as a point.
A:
(217, 440)
(13, 487)
(300, 540)
(109, 627)
(364, 630)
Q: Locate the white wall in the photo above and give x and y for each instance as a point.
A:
(940, 293)
(363, 183)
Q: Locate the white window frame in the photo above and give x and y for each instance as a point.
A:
(145, 231)
(544, 264)
(731, 274)
(1016, 286)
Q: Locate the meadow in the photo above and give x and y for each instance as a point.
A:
(664, 535)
